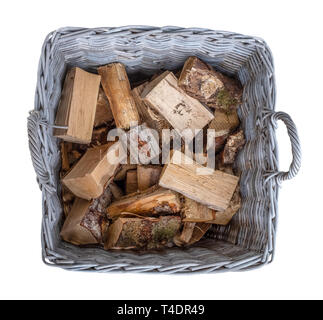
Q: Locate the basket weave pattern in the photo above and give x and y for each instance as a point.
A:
(248, 241)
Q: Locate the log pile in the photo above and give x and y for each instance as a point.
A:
(116, 190)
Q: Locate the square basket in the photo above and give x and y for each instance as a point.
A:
(248, 241)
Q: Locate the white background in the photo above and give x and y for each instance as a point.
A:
(292, 29)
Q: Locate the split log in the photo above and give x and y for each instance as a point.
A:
(213, 88)
(94, 170)
(234, 143)
(131, 182)
(185, 176)
(191, 233)
(103, 112)
(149, 233)
(180, 110)
(116, 86)
(87, 222)
(147, 114)
(77, 106)
(153, 201)
(148, 176)
(196, 212)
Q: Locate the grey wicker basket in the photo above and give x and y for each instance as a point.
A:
(249, 240)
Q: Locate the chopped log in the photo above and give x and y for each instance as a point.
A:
(224, 217)
(87, 222)
(147, 114)
(149, 233)
(191, 233)
(77, 106)
(196, 212)
(214, 189)
(131, 182)
(187, 232)
(116, 191)
(122, 173)
(180, 110)
(148, 176)
(234, 143)
(223, 124)
(116, 86)
(199, 231)
(153, 201)
(94, 170)
(143, 145)
(103, 112)
(202, 82)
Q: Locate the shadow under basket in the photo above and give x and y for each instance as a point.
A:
(249, 239)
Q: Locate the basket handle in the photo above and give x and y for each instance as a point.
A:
(295, 143)
(43, 177)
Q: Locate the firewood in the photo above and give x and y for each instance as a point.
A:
(191, 233)
(223, 124)
(116, 86)
(213, 88)
(234, 143)
(131, 182)
(94, 170)
(214, 189)
(143, 145)
(87, 222)
(116, 191)
(148, 176)
(124, 168)
(153, 201)
(187, 232)
(103, 112)
(199, 231)
(147, 114)
(196, 212)
(77, 106)
(179, 109)
(149, 233)
(224, 217)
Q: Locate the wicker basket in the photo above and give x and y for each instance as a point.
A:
(249, 240)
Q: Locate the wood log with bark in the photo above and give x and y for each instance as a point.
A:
(149, 233)
(180, 110)
(201, 81)
(153, 201)
(87, 222)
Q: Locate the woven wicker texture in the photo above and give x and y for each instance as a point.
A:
(249, 240)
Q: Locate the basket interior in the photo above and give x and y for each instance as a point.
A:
(248, 239)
